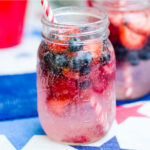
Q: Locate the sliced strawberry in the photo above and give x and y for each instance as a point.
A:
(95, 47)
(70, 74)
(139, 22)
(116, 18)
(56, 105)
(130, 39)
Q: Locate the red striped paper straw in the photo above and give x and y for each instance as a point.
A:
(90, 3)
(48, 10)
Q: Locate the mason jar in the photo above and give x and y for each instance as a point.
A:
(130, 35)
(76, 76)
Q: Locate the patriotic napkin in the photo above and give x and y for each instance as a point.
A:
(130, 131)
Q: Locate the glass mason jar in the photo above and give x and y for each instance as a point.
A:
(76, 76)
(130, 35)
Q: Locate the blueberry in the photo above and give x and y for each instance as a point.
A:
(84, 58)
(148, 53)
(105, 58)
(53, 62)
(85, 70)
(75, 64)
(132, 57)
(60, 60)
(121, 53)
(48, 57)
(85, 84)
(55, 71)
(143, 55)
(75, 44)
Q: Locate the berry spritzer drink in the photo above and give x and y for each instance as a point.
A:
(130, 35)
(76, 76)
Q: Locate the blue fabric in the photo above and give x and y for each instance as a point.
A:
(18, 96)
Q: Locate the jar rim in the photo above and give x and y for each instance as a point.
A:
(94, 20)
(127, 5)
(102, 19)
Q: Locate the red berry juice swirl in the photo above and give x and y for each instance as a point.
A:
(69, 75)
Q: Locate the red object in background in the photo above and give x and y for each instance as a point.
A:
(12, 13)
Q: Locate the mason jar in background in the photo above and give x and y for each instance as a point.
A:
(76, 76)
(130, 35)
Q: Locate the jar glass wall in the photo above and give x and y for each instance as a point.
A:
(76, 76)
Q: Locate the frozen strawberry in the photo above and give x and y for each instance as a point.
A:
(56, 105)
(94, 47)
(139, 22)
(116, 18)
(58, 47)
(62, 85)
(70, 74)
(130, 39)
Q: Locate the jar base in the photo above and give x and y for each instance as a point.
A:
(85, 143)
